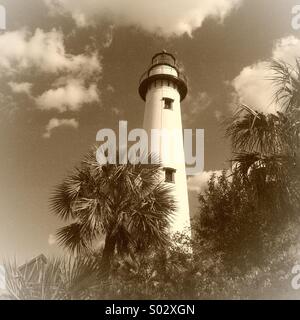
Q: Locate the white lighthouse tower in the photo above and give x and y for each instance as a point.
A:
(163, 87)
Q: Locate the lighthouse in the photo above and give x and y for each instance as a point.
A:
(163, 87)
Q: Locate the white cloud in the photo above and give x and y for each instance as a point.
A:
(254, 89)
(46, 52)
(57, 123)
(52, 240)
(21, 50)
(253, 86)
(198, 183)
(22, 87)
(69, 97)
(287, 49)
(168, 17)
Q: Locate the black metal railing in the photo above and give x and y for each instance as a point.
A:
(146, 75)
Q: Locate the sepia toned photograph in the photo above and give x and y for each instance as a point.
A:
(150, 151)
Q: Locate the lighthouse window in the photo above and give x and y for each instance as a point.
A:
(170, 175)
(168, 103)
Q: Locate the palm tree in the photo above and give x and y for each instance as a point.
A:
(266, 146)
(286, 80)
(128, 205)
(252, 214)
(277, 133)
(268, 134)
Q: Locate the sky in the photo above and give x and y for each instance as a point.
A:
(70, 68)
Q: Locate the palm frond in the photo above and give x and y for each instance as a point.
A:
(264, 133)
(41, 283)
(59, 279)
(286, 80)
(127, 201)
(73, 238)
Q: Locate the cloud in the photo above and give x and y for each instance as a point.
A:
(201, 102)
(198, 183)
(8, 107)
(197, 104)
(110, 89)
(109, 37)
(57, 123)
(52, 240)
(45, 51)
(168, 17)
(116, 111)
(219, 115)
(287, 49)
(22, 87)
(69, 97)
(253, 87)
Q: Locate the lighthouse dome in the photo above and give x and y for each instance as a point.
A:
(163, 67)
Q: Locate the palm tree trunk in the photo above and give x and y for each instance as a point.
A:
(107, 255)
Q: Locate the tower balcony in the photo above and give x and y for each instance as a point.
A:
(163, 67)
